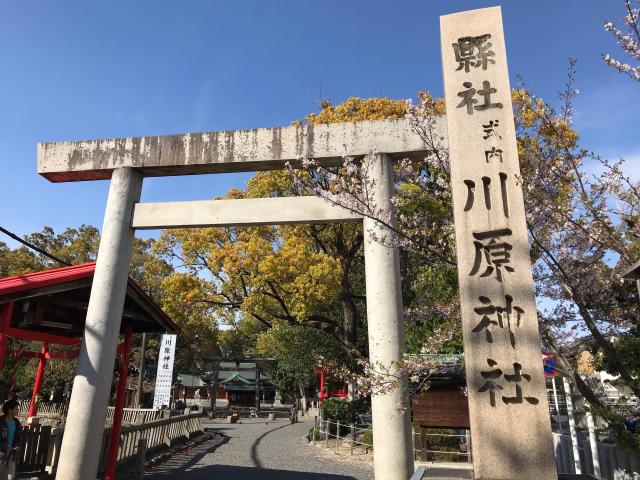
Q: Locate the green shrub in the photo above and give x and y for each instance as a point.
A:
(310, 435)
(438, 442)
(340, 410)
(367, 436)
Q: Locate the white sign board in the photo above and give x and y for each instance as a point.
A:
(510, 427)
(165, 371)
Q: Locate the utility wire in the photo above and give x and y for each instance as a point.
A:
(33, 247)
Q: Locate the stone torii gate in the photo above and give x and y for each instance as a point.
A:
(126, 161)
(509, 414)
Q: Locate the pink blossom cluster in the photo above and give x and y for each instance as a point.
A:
(628, 38)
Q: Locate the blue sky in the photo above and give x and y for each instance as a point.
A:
(82, 70)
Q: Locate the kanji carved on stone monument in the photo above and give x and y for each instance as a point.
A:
(492, 386)
(470, 102)
(486, 189)
(473, 52)
(502, 317)
(493, 253)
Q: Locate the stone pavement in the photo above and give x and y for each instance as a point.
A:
(257, 449)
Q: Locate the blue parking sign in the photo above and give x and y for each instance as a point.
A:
(550, 367)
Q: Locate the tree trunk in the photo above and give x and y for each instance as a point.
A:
(350, 315)
(607, 348)
(303, 400)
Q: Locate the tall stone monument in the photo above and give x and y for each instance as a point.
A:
(510, 426)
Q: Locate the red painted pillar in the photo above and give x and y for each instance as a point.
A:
(323, 394)
(114, 441)
(6, 311)
(37, 386)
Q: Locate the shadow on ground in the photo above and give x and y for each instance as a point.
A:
(206, 472)
(184, 460)
(254, 447)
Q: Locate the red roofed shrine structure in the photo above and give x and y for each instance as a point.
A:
(50, 307)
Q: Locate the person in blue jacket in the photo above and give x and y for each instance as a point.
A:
(9, 439)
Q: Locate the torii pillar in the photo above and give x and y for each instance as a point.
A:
(393, 458)
(80, 452)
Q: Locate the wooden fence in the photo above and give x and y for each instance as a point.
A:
(156, 433)
(41, 445)
(34, 449)
(54, 414)
(134, 416)
(44, 408)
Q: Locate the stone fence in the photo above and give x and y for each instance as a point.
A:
(615, 462)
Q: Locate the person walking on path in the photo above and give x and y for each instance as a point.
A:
(9, 439)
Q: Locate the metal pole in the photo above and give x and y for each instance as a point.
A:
(338, 436)
(393, 459)
(326, 433)
(467, 434)
(555, 399)
(353, 437)
(140, 394)
(572, 426)
(413, 443)
(315, 427)
(80, 452)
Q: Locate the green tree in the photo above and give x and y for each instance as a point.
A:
(296, 349)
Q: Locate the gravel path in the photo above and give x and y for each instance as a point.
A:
(255, 449)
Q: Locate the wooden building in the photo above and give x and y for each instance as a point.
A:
(243, 382)
(444, 403)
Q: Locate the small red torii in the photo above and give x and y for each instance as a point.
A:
(324, 389)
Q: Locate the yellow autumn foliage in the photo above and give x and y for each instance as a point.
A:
(356, 109)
